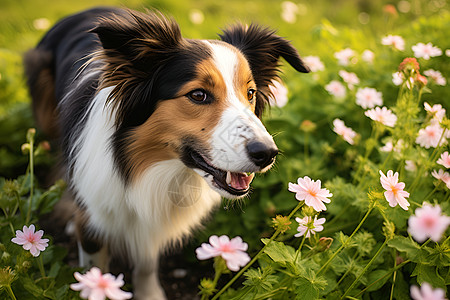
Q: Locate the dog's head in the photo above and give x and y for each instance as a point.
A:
(195, 100)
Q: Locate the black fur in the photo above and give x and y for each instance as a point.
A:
(263, 48)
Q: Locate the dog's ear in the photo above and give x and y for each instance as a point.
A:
(135, 48)
(140, 38)
(263, 49)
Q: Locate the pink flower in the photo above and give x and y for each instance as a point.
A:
(427, 293)
(441, 175)
(395, 41)
(436, 76)
(436, 111)
(232, 251)
(344, 56)
(30, 240)
(279, 94)
(410, 166)
(430, 136)
(428, 222)
(336, 89)
(350, 78)
(310, 191)
(96, 286)
(368, 98)
(345, 132)
(394, 190)
(308, 225)
(426, 50)
(388, 147)
(314, 63)
(367, 56)
(382, 115)
(444, 160)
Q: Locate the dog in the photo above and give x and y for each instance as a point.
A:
(154, 128)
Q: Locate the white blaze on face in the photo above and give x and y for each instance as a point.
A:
(238, 125)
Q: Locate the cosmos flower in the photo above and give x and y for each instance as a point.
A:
(314, 63)
(336, 89)
(428, 222)
(394, 193)
(444, 160)
(311, 191)
(426, 292)
(97, 286)
(436, 76)
(232, 251)
(368, 97)
(368, 56)
(279, 94)
(350, 78)
(398, 78)
(443, 176)
(430, 136)
(307, 226)
(426, 51)
(345, 132)
(396, 41)
(436, 111)
(382, 115)
(30, 240)
(344, 56)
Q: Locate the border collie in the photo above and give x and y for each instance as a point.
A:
(154, 128)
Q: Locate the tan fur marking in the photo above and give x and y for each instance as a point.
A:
(161, 136)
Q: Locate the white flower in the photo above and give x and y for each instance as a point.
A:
(436, 76)
(398, 78)
(382, 115)
(368, 97)
(430, 136)
(307, 226)
(426, 50)
(368, 56)
(395, 41)
(344, 56)
(436, 111)
(336, 89)
(410, 166)
(345, 132)
(279, 95)
(314, 63)
(196, 16)
(350, 78)
(289, 11)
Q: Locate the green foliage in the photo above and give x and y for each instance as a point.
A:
(359, 219)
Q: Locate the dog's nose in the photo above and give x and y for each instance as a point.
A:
(261, 154)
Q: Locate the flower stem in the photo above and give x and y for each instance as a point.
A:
(324, 266)
(299, 249)
(364, 270)
(382, 277)
(10, 292)
(31, 176)
(40, 263)
(239, 274)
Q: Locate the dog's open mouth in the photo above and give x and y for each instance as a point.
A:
(235, 183)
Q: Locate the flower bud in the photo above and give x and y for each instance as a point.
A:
(308, 126)
(30, 134)
(323, 244)
(282, 223)
(25, 148)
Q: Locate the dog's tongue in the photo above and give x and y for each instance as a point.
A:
(239, 181)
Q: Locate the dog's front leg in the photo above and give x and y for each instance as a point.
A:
(146, 282)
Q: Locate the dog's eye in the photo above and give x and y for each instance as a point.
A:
(251, 94)
(198, 96)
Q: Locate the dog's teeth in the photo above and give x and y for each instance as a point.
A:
(228, 178)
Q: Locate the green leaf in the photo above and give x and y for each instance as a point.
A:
(309, 286)
(279, 252)
(407, 245)
(375, 275)
(29, 285)
(430, 274)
